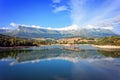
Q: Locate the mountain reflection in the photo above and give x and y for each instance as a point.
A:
(73, 56)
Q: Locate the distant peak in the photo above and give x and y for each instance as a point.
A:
(72, 27)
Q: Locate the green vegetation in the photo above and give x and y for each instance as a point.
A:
(113, 40)
(7, 41)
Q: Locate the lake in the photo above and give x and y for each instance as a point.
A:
(58, 62)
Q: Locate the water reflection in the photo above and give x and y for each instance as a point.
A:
(99, 70)
(114, 54)
(60, 64)
(27, 55)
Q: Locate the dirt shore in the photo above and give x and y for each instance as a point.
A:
(107, 46)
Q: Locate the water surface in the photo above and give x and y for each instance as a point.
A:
(57, 63)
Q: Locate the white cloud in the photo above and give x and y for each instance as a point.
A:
(17, 25)
(90, 26)
(14, 24)
(99, 26)
(110, 24)
(109, 9)
(60, 8)
(106, 11)
(72, 27)
(77, 11)
(34, 26)
(105, 24)
(109, 27)
(56, 1)
(81, 15)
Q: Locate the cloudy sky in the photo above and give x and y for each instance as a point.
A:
(60, 13)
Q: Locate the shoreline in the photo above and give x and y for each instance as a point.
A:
(97, 46)
(107, 46)
(14, 48)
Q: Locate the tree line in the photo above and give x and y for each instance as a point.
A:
(7, 41)
(113, 40)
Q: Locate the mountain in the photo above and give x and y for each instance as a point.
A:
(94, 32)
(4, 31)
(29, 32)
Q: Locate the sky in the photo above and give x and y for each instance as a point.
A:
(60, 13)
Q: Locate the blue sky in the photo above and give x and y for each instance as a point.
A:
(32, 12)
(59, 13)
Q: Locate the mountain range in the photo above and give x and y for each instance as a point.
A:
(4, 31)
(29, 32)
